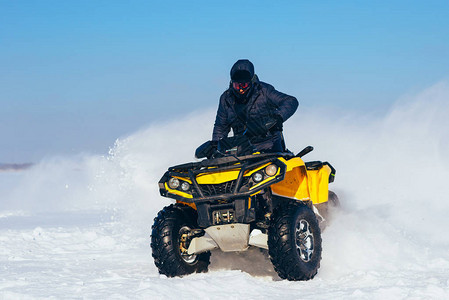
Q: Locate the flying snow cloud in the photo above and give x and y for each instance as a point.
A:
(391, 173)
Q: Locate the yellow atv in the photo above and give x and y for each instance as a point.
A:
(236, 199)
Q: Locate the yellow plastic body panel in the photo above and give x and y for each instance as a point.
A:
(301, 184)
(319, 184)
(215, 178)
(179, 193)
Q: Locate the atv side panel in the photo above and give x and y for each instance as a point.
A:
(304, 182)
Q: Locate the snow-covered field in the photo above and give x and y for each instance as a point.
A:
(79, 227)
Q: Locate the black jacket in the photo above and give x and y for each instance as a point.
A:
(263, 105)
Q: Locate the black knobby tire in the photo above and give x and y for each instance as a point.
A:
(285, 233)
(333, 200)
(166, 233)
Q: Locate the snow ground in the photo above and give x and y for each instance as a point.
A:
(78, 227)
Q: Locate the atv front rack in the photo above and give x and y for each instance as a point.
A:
(238, 188)
(229, 160)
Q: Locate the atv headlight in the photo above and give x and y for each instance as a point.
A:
(271, 170)
(185, 186)
(173, 183)
(257, 177)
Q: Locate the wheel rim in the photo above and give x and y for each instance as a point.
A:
(184, 243)
(304, 240)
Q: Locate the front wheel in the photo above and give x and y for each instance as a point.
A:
(170, 239)
(294, 242)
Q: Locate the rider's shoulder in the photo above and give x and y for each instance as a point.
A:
(265, 86)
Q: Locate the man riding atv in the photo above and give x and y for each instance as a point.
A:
(254, 108)
(246, 191)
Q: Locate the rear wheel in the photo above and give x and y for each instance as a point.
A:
(294, 242)
(170, 239)
(333, 200)
(325, 209)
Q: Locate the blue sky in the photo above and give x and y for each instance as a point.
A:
(76, 75)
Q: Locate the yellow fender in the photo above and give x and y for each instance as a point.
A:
(302, 184)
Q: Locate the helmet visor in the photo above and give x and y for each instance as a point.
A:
(241, 87)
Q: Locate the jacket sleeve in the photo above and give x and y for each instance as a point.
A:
(286, 105)
(222, 123)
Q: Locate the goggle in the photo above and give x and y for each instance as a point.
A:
(240, 86)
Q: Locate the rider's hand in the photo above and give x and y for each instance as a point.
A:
(213, 149)
(208, 149)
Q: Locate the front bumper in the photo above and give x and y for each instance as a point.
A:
(240, 187)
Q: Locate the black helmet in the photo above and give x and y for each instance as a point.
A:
(242, 73)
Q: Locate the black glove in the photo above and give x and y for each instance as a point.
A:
(207, 149)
